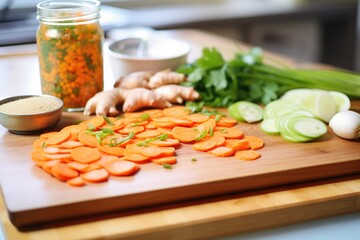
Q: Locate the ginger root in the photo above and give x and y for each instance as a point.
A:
(176, 93)
(104, 103)
(140, 90)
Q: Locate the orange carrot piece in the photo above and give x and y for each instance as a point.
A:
(46, 166)
(87, 139)
(135, 157)
(176, 111)
(169, 142)
(148, 134)
(165, 130)
(59, 156)
(255, 142)
(165, 160)
(247, 155)
(197, 117)
(64, 150)
(222, 151)
(85, 154)
(150, 151)
(208, 124)
(150, 126)
(232, 132)
(74, 130)
(128, 129)
(205, 144)
(38, 155)
(167, 151)
(78, 166)
(76, 182)
(184, 134)
(91, 167)
(220, 140)
(94, 122)
(71, 144)
(63, 172)
(181, 122)
(58, 138)
(96, 176)
(48, 135)
(51, 150)
(237, 144)
(116, 151)
(39, 143)
(226, 122)
(121, 167)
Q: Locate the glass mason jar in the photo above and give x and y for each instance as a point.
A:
(69, 43)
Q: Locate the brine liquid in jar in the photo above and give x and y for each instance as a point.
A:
(69, 43)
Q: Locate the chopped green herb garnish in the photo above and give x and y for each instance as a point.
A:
(108, 121)
(90, 127)
(194, 159)
(144, 116)
(43, 145)
(167, 166)
(211, 131)
(223, 130)
(114, 142)
(202, 134)
(161, 137)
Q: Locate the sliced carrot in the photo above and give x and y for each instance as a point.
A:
(165, 160)
(94, 122)
(181, 122)
(121, 167)
(150, 126)
(71, 144)
(63, 172)
(51, 150)
(237, 144)
(184, 134)
(226, 122)
(255, 142)
(176, 111)
(151, 151)
(232, 132)
(135, 157)
(148, 134)
(85, 154)
(39, 143)
(78, 166)
(76, 182)
(169, 142)
(46, 166)
(91, 167)
(59, 156)
(222, 151)
(154, 113)
(208, 124)
(96, 176)
(247, 155)
(220, 140)
(165, 130)
(64, 150)
(135, 129)
(58, 138)
(48, 135)
(167, 151)
(38, 155)
(205, 145)
(164, 124)
(74, 130)
(197, 117)
(87, 139)
(116, 151)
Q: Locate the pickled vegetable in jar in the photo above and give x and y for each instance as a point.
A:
(69, 43)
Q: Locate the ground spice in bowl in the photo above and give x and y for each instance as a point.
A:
(30, 105)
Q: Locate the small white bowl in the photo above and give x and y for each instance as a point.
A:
(154, 54)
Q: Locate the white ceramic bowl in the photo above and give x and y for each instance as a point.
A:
(154, 54)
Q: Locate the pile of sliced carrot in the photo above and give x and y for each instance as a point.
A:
(101, 147)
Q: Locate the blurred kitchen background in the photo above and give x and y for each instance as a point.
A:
(325, 31)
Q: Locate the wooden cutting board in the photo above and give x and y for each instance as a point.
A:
(33, 198)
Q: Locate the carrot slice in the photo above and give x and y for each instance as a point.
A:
(237, 144)
(135, 129)
(184, 134)
(74, 130)
(150, 151)
(85, 154)
(59, 156)
(63, 172)
(121, 167)
(167, 151)
(91, 167)
(148, 134)
(222, 151)
(76, 182)
(78, 166)
(87, 139)
(71, 144)
(197, 117)
(209, 124)
(255, 142)
(96, 176)
(176, 111)
(116, 151)
(135, 157)
(94, 122)
(150, 126)
(169, 142)
(232, 132)
(165, 160)
(165, 130)
(46, 166)
(205, 145)
(51, 150)
(38, 155)
(181, 122)
(58, 138)
(48, 135)
(247, 155)
(39, 143)
(226, 122)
